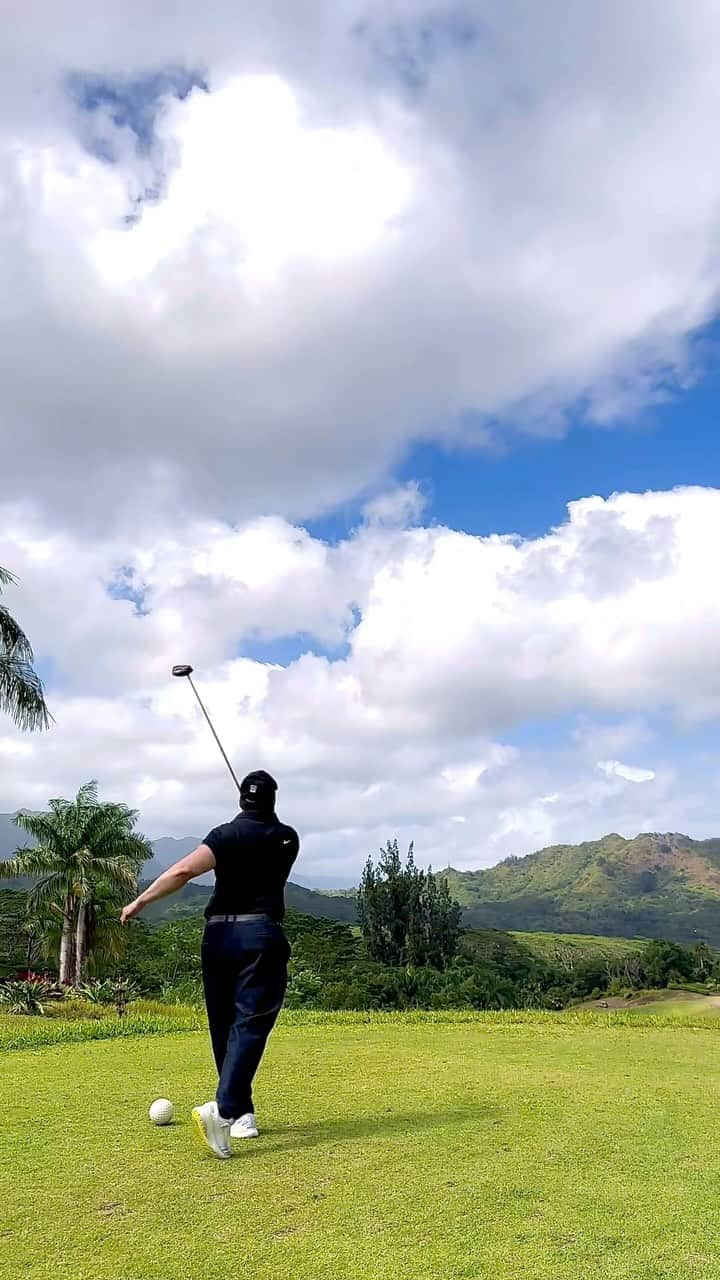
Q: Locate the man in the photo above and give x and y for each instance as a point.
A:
(244, 950)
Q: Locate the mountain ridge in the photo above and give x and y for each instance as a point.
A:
(192, 899)
(655, 884)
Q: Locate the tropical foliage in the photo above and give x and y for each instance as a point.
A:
(29, 995)
(21, 690)
(84, 862)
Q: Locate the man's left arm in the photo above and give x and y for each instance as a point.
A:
(291, 844)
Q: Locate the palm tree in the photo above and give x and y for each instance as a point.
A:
(86, 854)
(108, 869)
(21, 690)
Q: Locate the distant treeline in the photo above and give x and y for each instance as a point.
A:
(331, 967)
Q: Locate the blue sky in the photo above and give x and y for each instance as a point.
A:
(525, 488)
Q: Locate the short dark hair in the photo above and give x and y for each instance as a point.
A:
(257, 791)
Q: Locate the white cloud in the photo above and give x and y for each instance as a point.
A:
(453, 643)
(12, 747)
(261, 188)
(361, 238)
(397, 507)
(629, 773)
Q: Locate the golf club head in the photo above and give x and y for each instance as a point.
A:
(182, 669)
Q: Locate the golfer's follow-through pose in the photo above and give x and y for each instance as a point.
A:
(244, 950)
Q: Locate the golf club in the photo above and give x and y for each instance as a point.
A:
(184, 669)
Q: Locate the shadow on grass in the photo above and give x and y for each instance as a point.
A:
(382, 1125)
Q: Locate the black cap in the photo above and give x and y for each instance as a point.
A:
(257, 790)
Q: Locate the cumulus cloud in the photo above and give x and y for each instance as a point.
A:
(396, 507)
(629, 773)
(427, 650)
(375, 224)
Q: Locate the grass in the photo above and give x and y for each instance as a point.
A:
(491, 1147)
(691, 1005)
(579, 946)
(99, 1024)
(149, 1018)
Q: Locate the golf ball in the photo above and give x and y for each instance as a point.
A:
(161, 1111)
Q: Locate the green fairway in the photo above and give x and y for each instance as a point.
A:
(504, 1148)
(667, 1003)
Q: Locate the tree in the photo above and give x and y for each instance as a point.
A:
(12, 942)
(21, 690)
(705, 962)
(664, 962)
(407, 916)
(86, 858)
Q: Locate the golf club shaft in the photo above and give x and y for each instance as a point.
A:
(212, 730)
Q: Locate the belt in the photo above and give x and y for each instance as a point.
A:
(253, 915)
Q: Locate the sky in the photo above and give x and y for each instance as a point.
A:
(366, 356)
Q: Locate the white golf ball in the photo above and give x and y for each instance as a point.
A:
(161, 1111)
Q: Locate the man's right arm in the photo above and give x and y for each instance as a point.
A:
(197, 863)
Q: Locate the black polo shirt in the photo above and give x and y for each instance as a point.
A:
(253, 857)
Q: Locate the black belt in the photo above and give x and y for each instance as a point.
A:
(253, 915)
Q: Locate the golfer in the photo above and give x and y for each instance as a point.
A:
(244, 950)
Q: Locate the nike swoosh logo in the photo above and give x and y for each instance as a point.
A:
(287, 841)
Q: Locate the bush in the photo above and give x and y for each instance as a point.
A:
(305, 989)
(107, 990)
(189, 991)
(29, 996)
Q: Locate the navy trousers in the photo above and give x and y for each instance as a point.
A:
(245, 971)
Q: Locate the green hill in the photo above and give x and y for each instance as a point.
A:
(332, 905)
(651, 886)
(191, 901)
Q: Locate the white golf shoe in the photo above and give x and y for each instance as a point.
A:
(245, 1127)
(214, 1131)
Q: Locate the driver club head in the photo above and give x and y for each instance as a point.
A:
(182, 669)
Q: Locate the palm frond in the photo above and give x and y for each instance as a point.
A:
(138, 848)
(47, 891)
(109, 833)
(37, 825)
(117, 871)
(42, 828)
(21, 690)
(22, 695)
(36, 860)
(12, 636)
(11, 869)
(87, 794)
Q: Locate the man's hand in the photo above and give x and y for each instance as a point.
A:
(129, 912)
